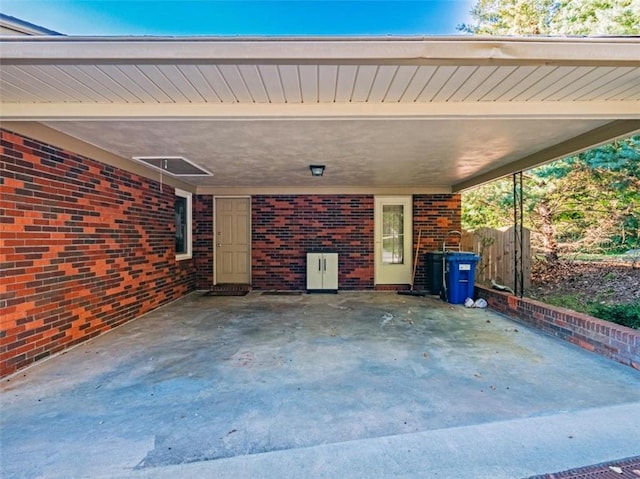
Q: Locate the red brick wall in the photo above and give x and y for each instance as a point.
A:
(84, 247)
(436, 215)
(603, 337)
(286, 227)
(203, 240)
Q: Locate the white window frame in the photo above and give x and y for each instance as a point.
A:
(189, 197)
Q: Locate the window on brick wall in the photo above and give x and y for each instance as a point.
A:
(393, 234)
(183, 220)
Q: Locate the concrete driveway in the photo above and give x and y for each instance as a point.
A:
(346, 385)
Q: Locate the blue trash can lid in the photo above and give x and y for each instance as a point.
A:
(462, 256)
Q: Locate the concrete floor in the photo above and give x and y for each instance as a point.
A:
(347, 385)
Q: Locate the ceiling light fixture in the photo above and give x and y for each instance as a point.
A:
(316, 170)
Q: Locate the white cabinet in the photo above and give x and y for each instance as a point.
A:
(322, 271)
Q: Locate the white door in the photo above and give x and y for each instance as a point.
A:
(393, 239)
(233, 240)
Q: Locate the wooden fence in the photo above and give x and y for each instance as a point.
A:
(496, 250)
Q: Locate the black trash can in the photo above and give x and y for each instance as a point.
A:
(434, 271)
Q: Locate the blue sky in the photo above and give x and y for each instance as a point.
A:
(243, 17)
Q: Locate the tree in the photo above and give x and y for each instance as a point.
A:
(597, 17)
(588, 201)
(489, 205)
(511, 17)
(585, 207)
(554, 17)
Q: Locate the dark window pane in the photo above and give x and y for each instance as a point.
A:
(181, 224)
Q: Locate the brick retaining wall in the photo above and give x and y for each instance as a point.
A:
(603, 337)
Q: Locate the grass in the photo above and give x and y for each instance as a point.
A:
(598, 258)
(624, 314)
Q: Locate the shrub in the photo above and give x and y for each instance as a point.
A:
(624, 314)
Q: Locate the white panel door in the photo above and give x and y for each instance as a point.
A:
(233, 240)
(393, 239)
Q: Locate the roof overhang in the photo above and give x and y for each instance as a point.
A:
(14, 26)
(383, 114)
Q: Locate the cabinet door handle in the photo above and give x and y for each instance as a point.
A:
(319, 264)
(325, 264)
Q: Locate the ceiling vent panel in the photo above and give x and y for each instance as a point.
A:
(173, 165)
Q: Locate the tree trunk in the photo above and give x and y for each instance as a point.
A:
(548, 231)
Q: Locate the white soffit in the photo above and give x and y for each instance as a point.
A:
(538, 98)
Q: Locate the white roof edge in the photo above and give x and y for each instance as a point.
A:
(331, 38)
(247, 49)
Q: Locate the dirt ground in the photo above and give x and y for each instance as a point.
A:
(603, 282)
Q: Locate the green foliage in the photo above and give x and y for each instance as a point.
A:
(589, 202)
(596, 196)
(624, 314)
(597, 17)
(554, 17)
(622, 156)
(511, 17)
(488, 205)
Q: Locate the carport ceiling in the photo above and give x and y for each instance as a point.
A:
(402, 114)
